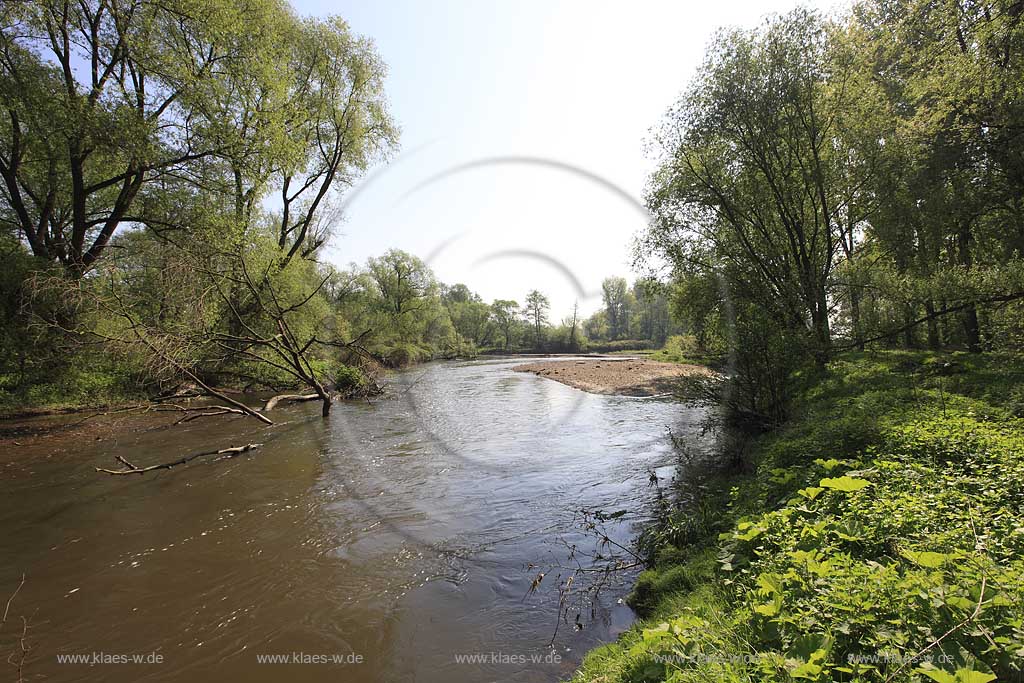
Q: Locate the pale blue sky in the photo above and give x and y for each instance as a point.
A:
(578, 83)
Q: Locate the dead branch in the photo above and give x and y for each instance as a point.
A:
(218, 410)
(11, 599)
(132, 469)
(23, 648)
(194, 413)
(938, 641)
(290, 398)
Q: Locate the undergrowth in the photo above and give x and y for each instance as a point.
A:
(879, 538)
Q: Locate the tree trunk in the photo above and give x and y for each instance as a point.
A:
(858, 333)
(970, 317)
(822, 333)
(972, 329)
(934, 341)
(909, 340)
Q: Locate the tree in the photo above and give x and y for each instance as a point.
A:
(104, 101)
(536, 311)
(952, 75)
(402, 281)
(617, 305)
(189, 118)
(469, 315)
(572, 322)
(596, 326)
(753, 164)
(651, 317)
(505, 312)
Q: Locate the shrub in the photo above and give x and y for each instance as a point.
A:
(680, 347)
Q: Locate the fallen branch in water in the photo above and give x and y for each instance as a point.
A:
(291, 398)
(129, 468)
(23, 649)
(216, 410)
(11, 599)
(193, 412)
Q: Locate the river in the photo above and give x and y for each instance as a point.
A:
(397, 540)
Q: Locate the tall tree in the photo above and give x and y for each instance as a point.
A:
(615, 295)
(104, 100)
(953, 75)
(572, 322)
(504, 312)
(402, 281)
(753, 166)
(536, 311)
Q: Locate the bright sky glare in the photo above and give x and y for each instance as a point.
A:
(576, 83)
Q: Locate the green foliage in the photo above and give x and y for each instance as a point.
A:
(620, 346)
(880, 538)
(536, 312)
(640, 312)
(678, 348)
(849, 181)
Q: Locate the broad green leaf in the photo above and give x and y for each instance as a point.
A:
(927, 558)
(811, 492)
(770, 609)
(847, 484)
(770, 583)
(806, 670)
(938, 675)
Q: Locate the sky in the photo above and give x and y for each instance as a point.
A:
(522, 161)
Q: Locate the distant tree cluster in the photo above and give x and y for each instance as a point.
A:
(638, 314)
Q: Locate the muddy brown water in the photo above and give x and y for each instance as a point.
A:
(394, 541)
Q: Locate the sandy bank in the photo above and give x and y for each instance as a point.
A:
(625, 376)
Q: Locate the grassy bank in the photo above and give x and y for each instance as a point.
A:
(71, 388)
(879, 537)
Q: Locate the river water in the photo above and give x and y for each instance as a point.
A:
(395, 541)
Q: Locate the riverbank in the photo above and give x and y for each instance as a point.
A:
(622, 376)
(878, 537)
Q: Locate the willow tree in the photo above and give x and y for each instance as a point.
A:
(104, 100)
(504, 312)
(754, 168)
(309, 134)
(618, 305)
(306, 135)
(225, 128)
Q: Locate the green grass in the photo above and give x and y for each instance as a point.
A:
(70, 389)
(677, 349)
(884, 523)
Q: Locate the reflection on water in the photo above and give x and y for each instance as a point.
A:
(404, 532)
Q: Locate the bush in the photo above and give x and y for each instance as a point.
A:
(347, 380)
(680, 347)
(403, 354)
(620, 345)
